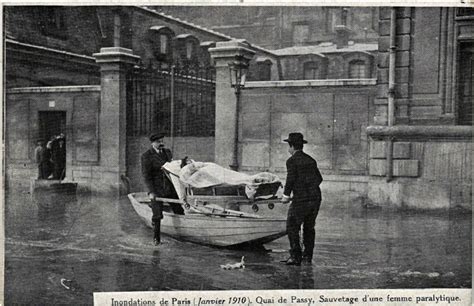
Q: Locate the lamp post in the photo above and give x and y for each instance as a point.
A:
(238, 72)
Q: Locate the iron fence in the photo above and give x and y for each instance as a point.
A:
(179, 101)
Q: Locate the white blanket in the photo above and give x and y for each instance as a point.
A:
(202, 175)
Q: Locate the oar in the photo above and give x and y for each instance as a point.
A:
(205, 210)
(176, 201)
(223, 212)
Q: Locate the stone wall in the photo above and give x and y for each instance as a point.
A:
(424, 70)
(81, 106)
(428, 172)
(143, 19)
(24, 24)
(333, 116)
(332, 65)
(275, 27)
(430, 166)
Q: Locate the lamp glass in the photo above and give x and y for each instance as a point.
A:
(238, 73)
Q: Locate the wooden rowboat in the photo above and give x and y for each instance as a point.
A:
(218, 228)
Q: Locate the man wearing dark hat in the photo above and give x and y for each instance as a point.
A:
(303, 180)
(155, 179)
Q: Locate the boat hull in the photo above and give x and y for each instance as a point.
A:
(214, 230)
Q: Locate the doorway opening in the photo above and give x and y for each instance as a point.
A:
(52, 128)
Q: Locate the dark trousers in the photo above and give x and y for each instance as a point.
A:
(302, 213)
(44, 170)
(59, 173)
(157, 208)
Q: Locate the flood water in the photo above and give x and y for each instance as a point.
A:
(65, 252)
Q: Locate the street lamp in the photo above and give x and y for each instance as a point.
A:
(238, 72)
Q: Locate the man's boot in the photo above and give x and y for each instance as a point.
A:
(157, 232)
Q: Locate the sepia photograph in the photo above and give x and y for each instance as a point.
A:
(214, 148)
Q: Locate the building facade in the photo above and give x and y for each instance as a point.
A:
(53, 45)
(310, 42)
(390, 123)
(421, 140)
(282, 27)
(55, 80)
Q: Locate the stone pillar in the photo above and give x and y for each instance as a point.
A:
(114, 63)
(226, 101)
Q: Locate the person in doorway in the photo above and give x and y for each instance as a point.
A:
(156, 181)
(49, 151)
(42, 158)
(58, 155)
(303, 180)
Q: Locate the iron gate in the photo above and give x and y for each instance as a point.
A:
(179, 101)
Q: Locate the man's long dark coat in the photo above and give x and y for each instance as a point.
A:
(303, 178)
(155, 179)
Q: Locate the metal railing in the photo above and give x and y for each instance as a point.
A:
(179, 101)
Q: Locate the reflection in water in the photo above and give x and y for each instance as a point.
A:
(301, 277)
(100, 244)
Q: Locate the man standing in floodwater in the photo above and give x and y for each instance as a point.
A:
(303, 180)
(58, 154)
(155, 179)
(42, 157)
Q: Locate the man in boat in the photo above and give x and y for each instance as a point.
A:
(303, 180)
(155, 179)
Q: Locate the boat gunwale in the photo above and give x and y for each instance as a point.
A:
(222, 222)
(191, 215)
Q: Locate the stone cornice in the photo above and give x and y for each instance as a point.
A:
(27, 52)
(47, 89)
(116, 55)
(311, 83)
(229, 49)
(420, 132)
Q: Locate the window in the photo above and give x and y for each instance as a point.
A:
(189, 49)
(465, 88)
(465, 12)
(160, 41)
(162, 47)
(186, 46)
(164, 41)
(300, 33)
(328, 20)
(264, 70)
(344, 12)
(357, 70)
(311, 71)
(52, 21)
